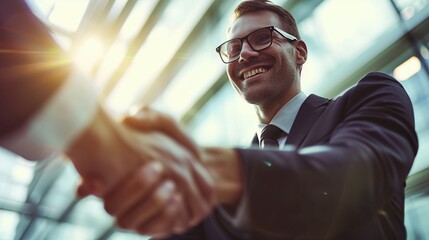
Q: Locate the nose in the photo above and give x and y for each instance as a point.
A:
(247, 52)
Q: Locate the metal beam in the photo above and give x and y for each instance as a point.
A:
(177, 61)
(133, 48)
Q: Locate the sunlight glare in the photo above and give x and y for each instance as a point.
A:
(88, 53)
(68, 14)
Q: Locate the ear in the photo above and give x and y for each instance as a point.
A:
(301, 52)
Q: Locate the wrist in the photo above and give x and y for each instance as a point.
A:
(225, 166)
(100, 151)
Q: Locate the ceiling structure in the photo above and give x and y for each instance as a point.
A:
(161, 53)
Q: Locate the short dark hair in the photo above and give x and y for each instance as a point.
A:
(288, 21)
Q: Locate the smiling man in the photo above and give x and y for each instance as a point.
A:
(336, 168)
(264, 62)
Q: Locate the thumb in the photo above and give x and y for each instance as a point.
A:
(147, 119)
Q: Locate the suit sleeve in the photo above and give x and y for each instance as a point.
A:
(195, 233)
(32, 66)
(44, 103)
(342, 180)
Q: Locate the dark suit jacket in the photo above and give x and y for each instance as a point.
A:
(343, 178)
(32, 66)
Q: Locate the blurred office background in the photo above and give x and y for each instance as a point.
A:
(161, 52)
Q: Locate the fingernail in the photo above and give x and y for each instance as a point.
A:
(167, 187)
(153, 170)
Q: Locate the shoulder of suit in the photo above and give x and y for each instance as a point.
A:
(371, 82)
(374, 81)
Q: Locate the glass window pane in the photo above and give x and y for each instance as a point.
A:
(127, 236)
(226, 120)
(158, 49)
(65, 14)
(71, 231)
(339, 33)
(418, 88)
(416, 212)
(90, 212)
(415, 80)
(62, 192)
(9, 222)
(16, 174)
(411, 8)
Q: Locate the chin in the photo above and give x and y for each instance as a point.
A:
(251, 98)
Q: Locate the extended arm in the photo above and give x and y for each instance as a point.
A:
(41, 116)
(349, 170)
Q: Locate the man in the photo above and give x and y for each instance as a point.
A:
(48, 107)
(342, 164)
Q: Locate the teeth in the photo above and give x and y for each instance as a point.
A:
(254, 72)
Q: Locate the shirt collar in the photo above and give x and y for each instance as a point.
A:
(286, 115)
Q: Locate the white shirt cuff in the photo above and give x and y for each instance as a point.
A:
(59, 121)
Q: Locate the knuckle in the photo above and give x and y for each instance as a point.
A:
(109, 208)
(161, 196)
(123, 223)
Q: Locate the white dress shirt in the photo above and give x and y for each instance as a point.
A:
(285, 117)
(57, 123)
(284, 120)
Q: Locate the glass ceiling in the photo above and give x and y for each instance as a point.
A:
(162, 53)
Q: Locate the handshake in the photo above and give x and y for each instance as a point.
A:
(152, 177)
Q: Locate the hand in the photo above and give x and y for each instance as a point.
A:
(107, 151)
(190, 179)
(152, 205)
(156, 207)
(223, 163)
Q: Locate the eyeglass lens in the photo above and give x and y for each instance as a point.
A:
(258, 40)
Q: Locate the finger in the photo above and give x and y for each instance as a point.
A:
(133, 189)
(141, 213)
(183, 174)
(196, 206)
(89, 186)
(205, 186)
(147, 119)
(182, 222)
(195, 183)
(173, 219)
(169, 125)
(198, 188)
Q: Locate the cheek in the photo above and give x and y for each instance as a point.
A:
(287, 62)
(230, 71)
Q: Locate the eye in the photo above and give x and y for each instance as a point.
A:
(261, 39)
(234, 48)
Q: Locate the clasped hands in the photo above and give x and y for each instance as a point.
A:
(150, 175)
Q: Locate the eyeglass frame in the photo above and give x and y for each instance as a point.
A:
(271, 28)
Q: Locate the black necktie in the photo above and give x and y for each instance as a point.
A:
(269, 136)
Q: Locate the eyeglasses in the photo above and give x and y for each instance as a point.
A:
(258, 40)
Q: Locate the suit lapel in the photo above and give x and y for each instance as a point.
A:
(307, 115)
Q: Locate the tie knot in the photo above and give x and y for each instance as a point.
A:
(269, 136)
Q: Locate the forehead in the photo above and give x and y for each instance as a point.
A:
(251, 21)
